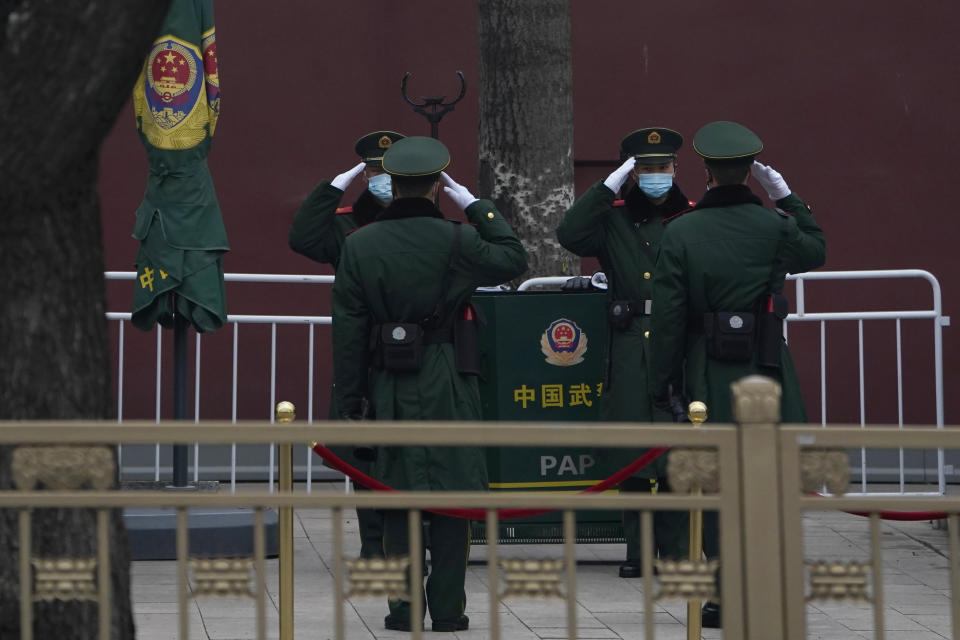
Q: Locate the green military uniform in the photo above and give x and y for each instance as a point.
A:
(392, 271)
(318, 232)
(718, 257)
(625, 236)
(321, 224)
(727, 254)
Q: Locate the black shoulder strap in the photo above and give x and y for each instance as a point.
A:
(433, 320)
(779, 261)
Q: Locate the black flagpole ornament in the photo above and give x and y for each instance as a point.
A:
(433, 109)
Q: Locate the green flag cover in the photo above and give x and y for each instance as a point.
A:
(182, 238)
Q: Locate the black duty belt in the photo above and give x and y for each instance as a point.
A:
(620, 313)
(398, 346)
(438, 336)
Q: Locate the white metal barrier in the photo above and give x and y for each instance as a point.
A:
(236, 321)
(935, 313)
(801, 315)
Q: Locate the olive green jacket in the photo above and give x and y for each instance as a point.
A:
(320, 224)
(392, 271)
(318, 232)
(721, 256)
(597, 226)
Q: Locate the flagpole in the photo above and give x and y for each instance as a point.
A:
(180, 329)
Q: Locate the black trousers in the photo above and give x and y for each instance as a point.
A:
(446, 598)
(371, 529)
(711, 534)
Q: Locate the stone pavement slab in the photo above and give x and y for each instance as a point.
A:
(916, 591)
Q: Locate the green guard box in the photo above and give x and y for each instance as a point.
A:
(544, 358)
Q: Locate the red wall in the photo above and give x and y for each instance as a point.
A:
(854, 104)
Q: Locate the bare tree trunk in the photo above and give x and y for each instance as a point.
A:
(66, 68)
(526, 122)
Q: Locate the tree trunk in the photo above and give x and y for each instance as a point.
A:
(526, 122)
(66, 68)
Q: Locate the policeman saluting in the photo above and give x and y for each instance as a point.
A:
(718, 312)
(401, 289)
(321, 224)
(318, 231)
(625, 236)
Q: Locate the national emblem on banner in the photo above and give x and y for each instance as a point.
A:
(563, 343)
(171, 97)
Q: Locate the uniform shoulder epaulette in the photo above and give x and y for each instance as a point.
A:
(619, 203)
(343, 210)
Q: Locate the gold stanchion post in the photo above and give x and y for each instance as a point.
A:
(286, 412)
(697, 412)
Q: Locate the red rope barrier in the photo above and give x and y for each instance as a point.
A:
(900, 516)
(511, 514)
(479, 514)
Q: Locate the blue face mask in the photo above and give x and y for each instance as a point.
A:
(655, 184)
(379, 186)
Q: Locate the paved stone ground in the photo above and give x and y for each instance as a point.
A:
(916, 578)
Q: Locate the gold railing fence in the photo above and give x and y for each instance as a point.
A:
(751, 472)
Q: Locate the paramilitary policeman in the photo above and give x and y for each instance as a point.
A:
(399, 305)
(625, 235)
(719, 306)
(321, 223)
(317, 232)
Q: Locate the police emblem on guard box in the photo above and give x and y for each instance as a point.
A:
(563, 343)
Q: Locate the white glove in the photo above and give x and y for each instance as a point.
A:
(771, 180)
(343, 180)
(460, 195)
(616, 179)
(599, 280)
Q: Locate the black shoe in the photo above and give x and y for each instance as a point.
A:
(460, 624)
(396, 624)
(631, 570)
(710, 616)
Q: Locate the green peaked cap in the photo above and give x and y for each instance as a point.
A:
(654, 145)
(372, 146)
(724, 140)
(416, 156)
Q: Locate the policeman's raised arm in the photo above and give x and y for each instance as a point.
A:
(491, 252)
(312, 233)
(806, 246)
(583, 228)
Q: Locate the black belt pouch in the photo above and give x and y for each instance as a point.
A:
(730, 335)
(620, 313)
(400, 346)
(770, 332)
